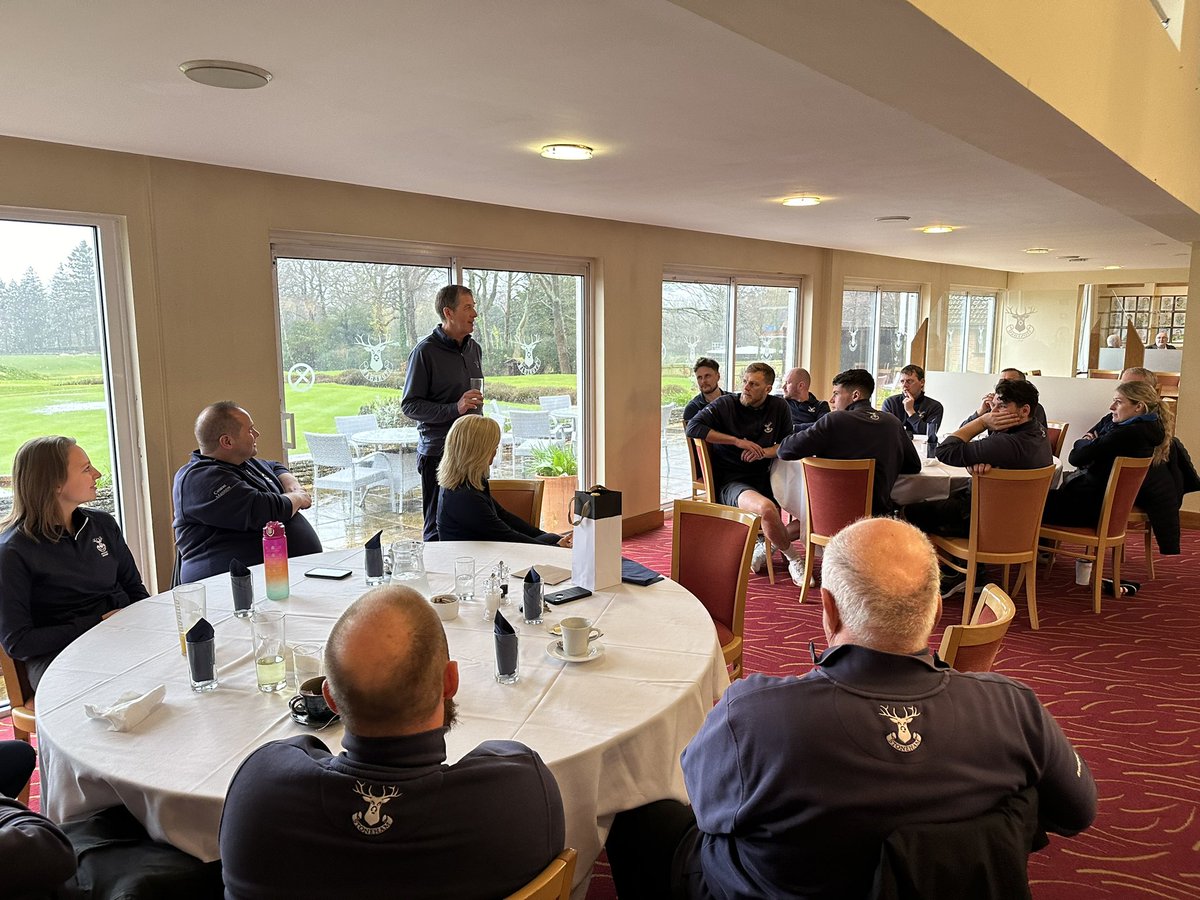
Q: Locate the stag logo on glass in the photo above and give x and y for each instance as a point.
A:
(1019, 329)
(373, 820)
(376, 369)
(903, 738)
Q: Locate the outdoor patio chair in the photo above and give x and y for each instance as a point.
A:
(332, 451)
(530, 430)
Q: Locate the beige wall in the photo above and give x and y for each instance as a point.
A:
(1107, 65)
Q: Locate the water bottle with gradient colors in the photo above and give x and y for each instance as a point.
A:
(275, 561)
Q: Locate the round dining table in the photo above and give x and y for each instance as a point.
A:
(386, 437)
(610, 729)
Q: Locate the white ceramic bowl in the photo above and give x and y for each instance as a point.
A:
(446, 606)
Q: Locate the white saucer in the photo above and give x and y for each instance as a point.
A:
(595, 651)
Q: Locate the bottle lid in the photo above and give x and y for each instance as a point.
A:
(273, 529)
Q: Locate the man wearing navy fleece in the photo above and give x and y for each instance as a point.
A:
(224, 495)
(388, 817)
(796, 783)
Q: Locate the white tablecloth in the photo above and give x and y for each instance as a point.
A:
(610, 730)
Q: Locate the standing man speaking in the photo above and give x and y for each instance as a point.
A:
(437, 388)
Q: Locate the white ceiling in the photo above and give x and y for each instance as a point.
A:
(694, 126)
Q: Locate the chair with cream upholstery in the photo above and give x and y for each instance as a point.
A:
(711, 546)
(973, 648)
(520, 496)
(1124, 482)
(837, 492)
(554, 882)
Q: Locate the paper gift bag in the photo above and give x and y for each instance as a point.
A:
(596, 558)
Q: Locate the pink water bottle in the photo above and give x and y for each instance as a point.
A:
(275, 561)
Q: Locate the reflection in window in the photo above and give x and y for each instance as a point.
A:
(878, 325)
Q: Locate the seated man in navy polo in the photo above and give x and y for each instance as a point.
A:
(387, 817)
(708, 379)
(744, 431)
(985, 406)
(224, 495)
(796, 783)
(806, 407)
(1013, 440)
(856, 430)
(920, 413)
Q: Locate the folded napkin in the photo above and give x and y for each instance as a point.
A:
(635, 573)
(506, 645)
(128, 710)
(374, 556)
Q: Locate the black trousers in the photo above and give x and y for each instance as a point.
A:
(650, 852)
(428, 466)
(17, 760)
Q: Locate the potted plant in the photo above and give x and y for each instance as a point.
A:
(555, 463)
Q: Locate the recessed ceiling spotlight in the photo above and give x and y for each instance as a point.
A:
(223, 73)
(1039, 250)
(567, 151)
(1114, 267)
(803, 200)
(937, 229)
(892, 218)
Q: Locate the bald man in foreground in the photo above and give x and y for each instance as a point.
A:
(387, 817)
(796, 783)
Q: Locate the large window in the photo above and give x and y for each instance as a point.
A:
(349, 316)
(1149, 313)
(64, 353)
(733, 320)
(970, 331)
(878, 325)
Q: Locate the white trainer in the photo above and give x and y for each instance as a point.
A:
(797, 571)
(758, 562)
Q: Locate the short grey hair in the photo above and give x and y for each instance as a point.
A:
(886, 591)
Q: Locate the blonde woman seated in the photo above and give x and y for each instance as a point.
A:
(466, 510)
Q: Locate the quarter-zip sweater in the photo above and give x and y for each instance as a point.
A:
(51, 592)
(440, 370)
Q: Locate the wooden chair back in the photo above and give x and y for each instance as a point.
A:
(1124, 482)
(694, 466)
(1006, 513)
(973, 647)
(711, 546)
(520, 496)
(20, 697)
(1168, 384)
(554, 882)
(704, 460)
(1056, 433)
(1111, 374)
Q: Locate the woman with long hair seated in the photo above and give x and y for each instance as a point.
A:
(466, 508)
(63, 567)
(1141, 427)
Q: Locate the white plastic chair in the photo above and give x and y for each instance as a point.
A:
(332, 451)
(666, 421)
(530, 429)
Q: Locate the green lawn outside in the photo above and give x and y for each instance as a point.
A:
(66, 366)
(19, 402)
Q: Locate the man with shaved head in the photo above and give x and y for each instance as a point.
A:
(387, 816)
(806, 407)
(225, 494)
(796, 783)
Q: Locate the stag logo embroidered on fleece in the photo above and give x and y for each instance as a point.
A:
(903, 739)
(373, 821)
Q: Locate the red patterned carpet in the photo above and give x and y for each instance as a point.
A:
(1125, 685)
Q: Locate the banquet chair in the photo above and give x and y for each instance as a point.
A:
(694, 466)
(1006, 512)
(520, 496)
(1056, 432)
(332, 451)
(1139, 521)
(20, 699)
(837, 492)
(704, 458)
(711, 546)
(1124, 482)
(973, 648)
(554, 882)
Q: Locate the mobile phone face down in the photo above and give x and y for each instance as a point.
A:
(566, 596)
(328, 572)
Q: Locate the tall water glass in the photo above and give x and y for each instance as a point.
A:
(464, 578)
(268, 631)
(190, 608)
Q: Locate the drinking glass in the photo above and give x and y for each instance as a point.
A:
(308, 661)
(268, 632)
(464, 578)
(190, 608)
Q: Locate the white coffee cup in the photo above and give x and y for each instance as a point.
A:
(1083, 571)
(576, 635)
